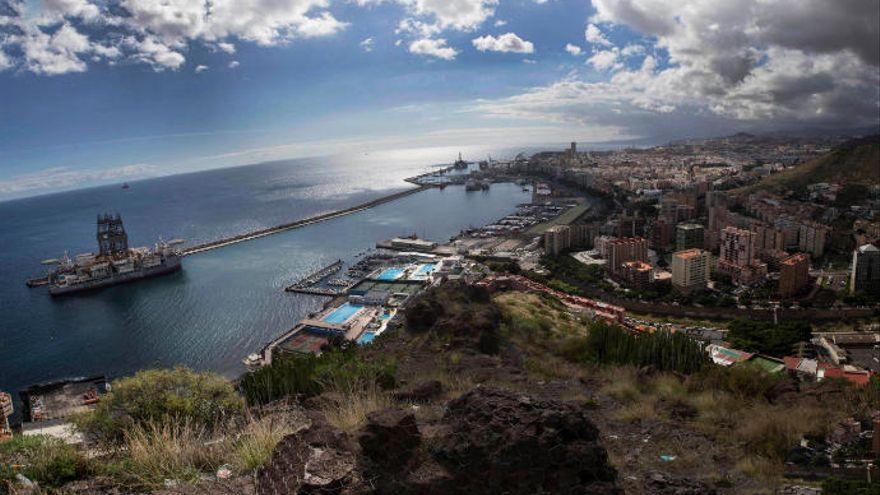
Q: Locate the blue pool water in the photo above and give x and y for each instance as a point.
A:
(343, 313)
(425, 269)
(366, 338)
(390, 274)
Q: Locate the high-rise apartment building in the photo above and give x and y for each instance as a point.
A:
(690, 269)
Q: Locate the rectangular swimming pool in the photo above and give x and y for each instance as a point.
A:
(390, 274)
(343, 313)
(425, 269)
(366, 338)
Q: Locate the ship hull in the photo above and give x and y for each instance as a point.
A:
(170, 265)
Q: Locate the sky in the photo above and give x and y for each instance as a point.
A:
(101, 91)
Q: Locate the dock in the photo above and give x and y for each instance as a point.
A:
(256, 234)
(314, 278)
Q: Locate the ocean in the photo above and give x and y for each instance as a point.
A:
(226, 303)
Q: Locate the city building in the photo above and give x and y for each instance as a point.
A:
(794, 274)
(865, 275)
(631, 226)
(690, 269)
(582, 235)
(637, 274)
(626, 249)
(557, 239)
(689, 236)
(768, 238)
(812, 238)
(737, 257)
(737, 246)
(661, 234)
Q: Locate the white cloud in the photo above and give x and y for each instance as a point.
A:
(605, 59)
(5, 63)
(233, 64)
(152, 51)
(367, 44)
(573, 49)
(595, 36)
(55, 54)
(632, 50)
(226, 47)
(463, 15)
(500, 23)
(156, 32)
(506, 43)
(201, 68)
(433, 48)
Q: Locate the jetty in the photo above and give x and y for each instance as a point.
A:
(315, 277)
(256, 234)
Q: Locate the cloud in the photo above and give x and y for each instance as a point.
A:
(201, 68)
(233, 64)
(605, 59)
(433, 48)
(506, 43)
(703, 67)
(54, 54)
(152, 32)
(573, 49)
(632, 50)
(226, 48)
(500, 23)
(463, 15)
(154, 52)
(367, 44)
(594, 35)
(59, 178)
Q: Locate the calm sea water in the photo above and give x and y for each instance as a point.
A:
(225, 303)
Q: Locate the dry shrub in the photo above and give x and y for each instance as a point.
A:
(168, 450)
(254, 445)
(623, 383)
(348, 408)
(761, 468)
(771, 431)
(637, 411)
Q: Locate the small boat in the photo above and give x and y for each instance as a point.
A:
(125, 185)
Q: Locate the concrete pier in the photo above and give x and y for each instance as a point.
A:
(207, 246)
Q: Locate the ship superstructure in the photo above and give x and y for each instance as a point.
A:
(115, 262)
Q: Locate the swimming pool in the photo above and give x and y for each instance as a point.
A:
(343, 313)
(366, 338)
(390, 274)
(426, 269)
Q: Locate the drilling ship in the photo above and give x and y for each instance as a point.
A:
(115, 263)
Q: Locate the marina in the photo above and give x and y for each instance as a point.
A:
(225, 303)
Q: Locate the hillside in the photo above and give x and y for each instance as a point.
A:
(856, 162)
(475, 393)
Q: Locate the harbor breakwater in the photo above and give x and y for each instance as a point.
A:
(256, 234)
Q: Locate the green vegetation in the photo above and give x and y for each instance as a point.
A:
(837, 486)
(665, 351)
(180, 394)
(766, 337)
(311, 375)
(46, 460)
(853, 163)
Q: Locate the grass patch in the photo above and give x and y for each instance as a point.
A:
(44, 459)
(168, 449)
(252, 449)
